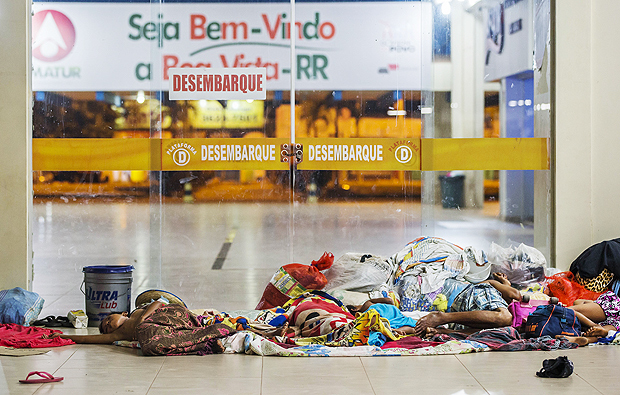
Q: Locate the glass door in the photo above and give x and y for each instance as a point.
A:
(381, 122)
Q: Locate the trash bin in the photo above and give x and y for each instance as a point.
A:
(452, 191)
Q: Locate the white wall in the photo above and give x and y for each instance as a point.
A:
(587, 123)
(605, 107)
(15, 145)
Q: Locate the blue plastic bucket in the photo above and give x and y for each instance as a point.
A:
(107, 290)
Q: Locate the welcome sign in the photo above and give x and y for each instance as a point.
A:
(133, 46)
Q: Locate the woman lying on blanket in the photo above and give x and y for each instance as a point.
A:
(600, 316)
(161, 329)
(319, 318)
(316, 318)
(312, 314)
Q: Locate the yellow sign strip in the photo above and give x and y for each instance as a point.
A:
(360, 154)
(94, 154)
(485, 154)
(265, 154)
(223, 154)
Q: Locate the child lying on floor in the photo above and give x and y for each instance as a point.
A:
(160, 329)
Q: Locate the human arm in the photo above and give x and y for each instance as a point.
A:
(503, 286)
(481, 319)
(149, 310)
(372, 301)
(103, 338)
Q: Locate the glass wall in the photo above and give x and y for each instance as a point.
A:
(381, 122)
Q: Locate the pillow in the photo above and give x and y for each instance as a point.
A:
(18, 306)
(154, 294)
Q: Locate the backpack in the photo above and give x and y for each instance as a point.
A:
(521, 309)
(552, 320)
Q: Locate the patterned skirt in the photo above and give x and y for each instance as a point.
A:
(610, 303)
(174, 330)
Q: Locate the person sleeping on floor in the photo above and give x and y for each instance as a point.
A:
(161, 329)
(601, 317)
(472, 307)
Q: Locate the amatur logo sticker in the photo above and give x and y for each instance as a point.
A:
(53, 35)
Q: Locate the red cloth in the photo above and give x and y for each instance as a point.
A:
(18, 336)
(410, 342)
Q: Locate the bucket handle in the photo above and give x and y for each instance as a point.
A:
(84, 293)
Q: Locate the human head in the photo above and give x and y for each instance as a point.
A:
(354, 309)
(112, 322)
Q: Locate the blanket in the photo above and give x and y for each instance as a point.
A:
(174, 330)
(354, 333)
(251, 343)
(508, 339)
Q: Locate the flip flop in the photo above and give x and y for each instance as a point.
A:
(46, 378)
(64, 321)
(49, 321)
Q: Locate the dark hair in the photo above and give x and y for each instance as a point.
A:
(101, 323)
(352, 308)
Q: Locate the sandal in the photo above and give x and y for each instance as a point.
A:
(64, 321)
(45, 378)
(49, 321)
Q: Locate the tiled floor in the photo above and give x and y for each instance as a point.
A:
(175, 246)
(103, 369)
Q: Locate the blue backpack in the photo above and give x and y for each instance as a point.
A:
(552, 320)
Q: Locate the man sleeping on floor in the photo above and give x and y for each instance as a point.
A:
(473, 306)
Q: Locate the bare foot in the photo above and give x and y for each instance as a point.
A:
(218, 347)
(281, 331)
(502, 278)
(596, 331)
(430, 332)
(580, 340)
(404, 331)
(430, 320)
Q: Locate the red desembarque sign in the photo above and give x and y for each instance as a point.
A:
(240, 83)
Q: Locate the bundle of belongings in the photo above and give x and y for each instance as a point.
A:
(426, 299)
(431, 297)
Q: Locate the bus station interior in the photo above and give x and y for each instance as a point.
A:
(215, 237)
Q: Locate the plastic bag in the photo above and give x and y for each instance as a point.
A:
(564, 287)
(358, 272)
(523, 265)
(479, 265)
(294, 279)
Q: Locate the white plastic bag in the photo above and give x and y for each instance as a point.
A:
(523, 265)
(358, 272)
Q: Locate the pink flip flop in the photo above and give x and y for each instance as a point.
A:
(46, 378)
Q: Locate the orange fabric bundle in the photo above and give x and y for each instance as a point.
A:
(294, 279)
(564, 287)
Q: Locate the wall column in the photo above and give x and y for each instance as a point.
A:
(16, 145)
